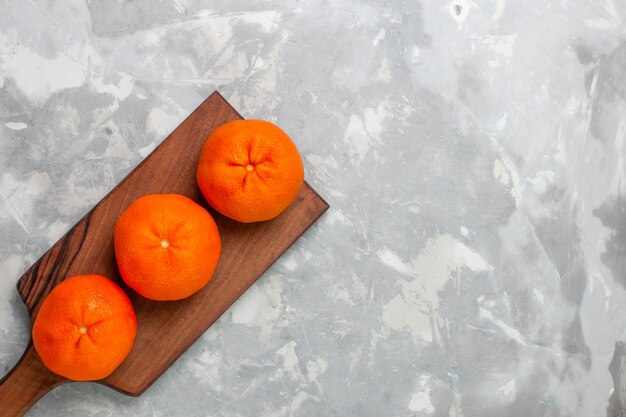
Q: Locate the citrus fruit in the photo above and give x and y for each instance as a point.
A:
(167, 246)
(85, 328)
(250, 170)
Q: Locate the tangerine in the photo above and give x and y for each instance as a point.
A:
(250, 170)
(167, 246)
(85, 328)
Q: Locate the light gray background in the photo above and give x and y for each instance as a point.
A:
(473, 262)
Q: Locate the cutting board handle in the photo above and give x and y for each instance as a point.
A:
(25, 384)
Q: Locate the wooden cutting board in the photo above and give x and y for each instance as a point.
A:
(165, 329)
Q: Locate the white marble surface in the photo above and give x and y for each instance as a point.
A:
(473, 262)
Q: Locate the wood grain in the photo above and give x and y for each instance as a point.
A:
(25, 384)
(166, 329)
